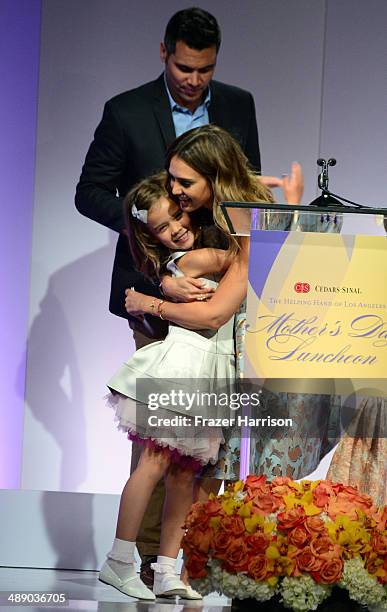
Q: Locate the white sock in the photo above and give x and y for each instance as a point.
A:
(165, 565)
(121, 558)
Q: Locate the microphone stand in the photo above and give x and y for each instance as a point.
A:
(327, 198)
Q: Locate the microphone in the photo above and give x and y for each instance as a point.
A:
(323, 179)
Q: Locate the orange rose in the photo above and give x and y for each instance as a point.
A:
(292, 518)
(195, 565)
(314, 524)
(258, 568)
(330, 571)
(323, 493)
(255, 483)
(213, 507)
(298, 537)
(281, 492)
(361, 500)
(197, 539)
(257, 543)
(379, 515)
(237, 557)
(197, 515)
(281, 486)
(307, 561)
(339, 506)
(221, 542)
(280, 481)
(322, 546)
(379, 543)
(265, 503)
(234, 525)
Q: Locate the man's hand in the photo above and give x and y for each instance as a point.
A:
(291, 184)
(186, 289)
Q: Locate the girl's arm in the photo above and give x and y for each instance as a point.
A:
(205, 261)
(199, 315)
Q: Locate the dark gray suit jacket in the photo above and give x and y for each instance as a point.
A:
(130, 143)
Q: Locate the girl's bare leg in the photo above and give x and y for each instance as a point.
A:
(119, 569)
(137, 491)
(178, 500)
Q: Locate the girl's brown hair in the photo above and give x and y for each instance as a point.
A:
(148, 253)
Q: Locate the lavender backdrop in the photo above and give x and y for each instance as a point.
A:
(19, 67)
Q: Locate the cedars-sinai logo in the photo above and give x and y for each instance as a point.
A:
(302, 287)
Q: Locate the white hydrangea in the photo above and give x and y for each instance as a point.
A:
(239, 586)
(361, 586)
(203, 585)
(302, 594)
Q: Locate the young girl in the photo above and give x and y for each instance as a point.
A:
(161, 237)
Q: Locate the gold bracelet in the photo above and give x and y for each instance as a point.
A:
(152, 306)
(159, 311)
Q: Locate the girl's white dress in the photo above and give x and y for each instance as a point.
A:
(188, 363)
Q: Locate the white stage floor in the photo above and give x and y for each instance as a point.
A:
(85, 592)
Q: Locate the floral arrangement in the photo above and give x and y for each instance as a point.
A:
(295, 540)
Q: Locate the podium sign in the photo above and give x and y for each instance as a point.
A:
(317, 310)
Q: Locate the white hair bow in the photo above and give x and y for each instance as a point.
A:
(141, 215)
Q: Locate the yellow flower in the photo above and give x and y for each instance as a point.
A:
(311, 510)
(251, 523)
(238, 486)
(284, 566)
(229, 506)
(272, 581)
(269, 527)
(305, 500)
(272, 552)
(214, 522)
(349, 534)
(245, 509)
(290, 501)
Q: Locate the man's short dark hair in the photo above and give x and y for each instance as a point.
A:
(194, 27)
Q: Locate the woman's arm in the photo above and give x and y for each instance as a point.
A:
(199, 315)
(195, 264)
(185, 288)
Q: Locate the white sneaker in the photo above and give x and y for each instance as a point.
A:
(133, 586)
(191, 593)
(168, 584)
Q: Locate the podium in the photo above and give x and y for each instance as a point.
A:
(316, 315)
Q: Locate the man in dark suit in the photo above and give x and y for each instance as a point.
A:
(130, 143)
